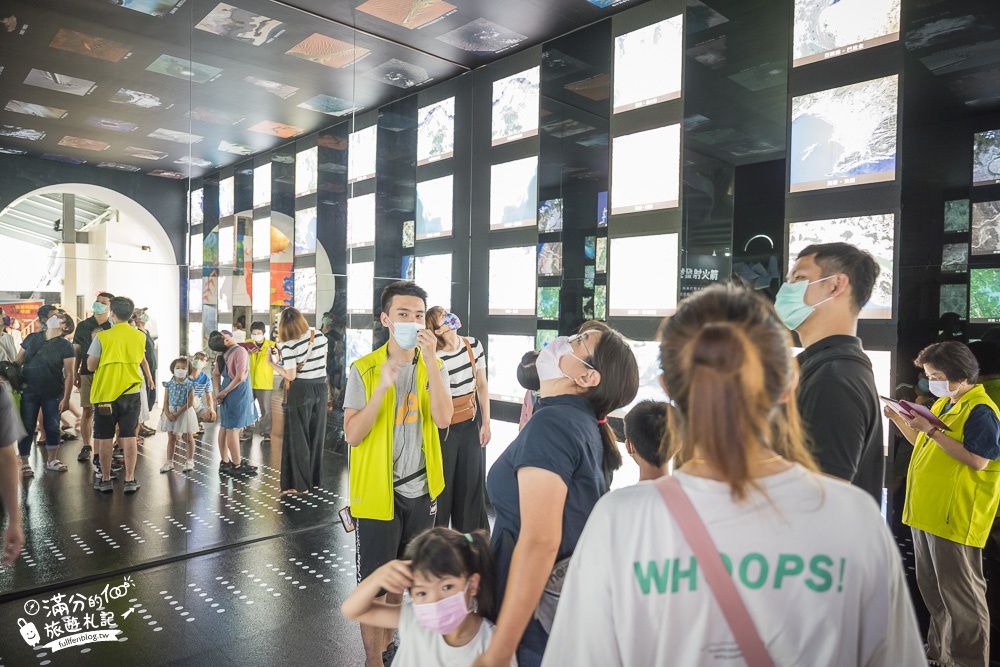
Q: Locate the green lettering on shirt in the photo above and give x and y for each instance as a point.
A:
(789, 565)
(651, 574)
(824, 580)
(762, 570)
(691, 574)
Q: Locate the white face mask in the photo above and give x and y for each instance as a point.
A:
(180, 373)
(54, 322)
(259, 338)
(941, 389)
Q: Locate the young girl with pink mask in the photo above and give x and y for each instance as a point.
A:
(449, 621)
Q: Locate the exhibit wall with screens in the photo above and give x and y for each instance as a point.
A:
(984, 295)
(844, 136)
(435, 199)
(872, 233)
(986, 158)
(361, 221)
(360, 286)
(645, 170)
(515, 106)
(512, 281)
(227, 197)
(306, 173)
(985, 232)
(648, 65)
(650, 261)
(503, 354)
(436, 132)
(262, 185)
(361, 152)
(823, 29)
(514, 193)
(433, 273)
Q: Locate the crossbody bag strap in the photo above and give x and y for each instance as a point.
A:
(472, 358)
(715, 572)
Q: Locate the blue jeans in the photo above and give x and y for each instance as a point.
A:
(528, 658)
(30, 405)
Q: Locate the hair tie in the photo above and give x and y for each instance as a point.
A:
(602, 421)
(469, 537)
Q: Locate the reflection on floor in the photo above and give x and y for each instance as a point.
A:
(196, 568)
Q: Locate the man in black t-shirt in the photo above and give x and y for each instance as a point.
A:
(99, 321)
(827, 287)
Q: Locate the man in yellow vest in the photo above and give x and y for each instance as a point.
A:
(115, 357)
(396, 399)
(262, 384)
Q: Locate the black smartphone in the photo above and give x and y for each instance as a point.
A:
(347, 519)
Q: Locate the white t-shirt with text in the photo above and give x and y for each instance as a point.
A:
(816, 567)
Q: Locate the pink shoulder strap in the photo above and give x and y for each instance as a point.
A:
(714, 570)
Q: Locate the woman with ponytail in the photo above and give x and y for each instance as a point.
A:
(808, 556)
(548, 480)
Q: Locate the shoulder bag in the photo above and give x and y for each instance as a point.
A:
(465, 406)
(718, 578)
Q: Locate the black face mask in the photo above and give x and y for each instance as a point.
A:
(216, 343)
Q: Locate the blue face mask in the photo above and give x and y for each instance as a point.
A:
(100, 308)
(790, 303)
(405, 334)
(925, 385)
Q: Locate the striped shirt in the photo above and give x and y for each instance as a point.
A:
(202, 385)
(293, 353)
(460, 368)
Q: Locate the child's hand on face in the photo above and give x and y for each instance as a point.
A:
(395, 576)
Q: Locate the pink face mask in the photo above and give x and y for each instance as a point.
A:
(443, 616)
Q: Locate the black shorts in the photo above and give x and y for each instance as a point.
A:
(124, 414)
(379, 542)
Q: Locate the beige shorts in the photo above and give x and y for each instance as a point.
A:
(85, 382)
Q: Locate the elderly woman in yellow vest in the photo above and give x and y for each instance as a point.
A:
(952, 495)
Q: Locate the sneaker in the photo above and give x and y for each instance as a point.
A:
(116, 466)
(226, 467)
(118, 454)
(97, 474)
(145, 431)
(265, 440)
(85, 453)
(104, 485)
(247, 434)
(244, 468)
(131, 486)
(188, 466)
(167, 467)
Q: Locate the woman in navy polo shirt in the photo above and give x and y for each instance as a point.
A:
(557, 468)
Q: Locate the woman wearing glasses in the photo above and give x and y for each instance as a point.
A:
(556, 469)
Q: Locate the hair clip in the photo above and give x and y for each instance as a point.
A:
(469, 537)
(602, 421)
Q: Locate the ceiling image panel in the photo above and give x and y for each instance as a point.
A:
(176, 88)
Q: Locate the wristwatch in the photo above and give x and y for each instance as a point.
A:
(930, 433)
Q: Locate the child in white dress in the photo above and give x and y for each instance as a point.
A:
(449, 622)
(179, 418)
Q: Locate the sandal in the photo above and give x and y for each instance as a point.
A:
(26, 470)
(56, 466)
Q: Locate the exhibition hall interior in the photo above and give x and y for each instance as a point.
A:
(532, 164)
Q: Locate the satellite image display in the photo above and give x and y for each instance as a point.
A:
(645, 170)
(874, 233)
(986, 158)
(436, 131)
(647, 356)
(433, 273)
(826, 29)
(548, 303)
(550, 215)
(305, 232)
(305, 289)
(512, 281)
(261, 238)
(262, 185)
(550, 259)
(514, 193)
(361, 221)
(844, 136)
(306, 172)
(984, 295)
(359, 343)
(647, 66)
(360, 286)
(361, 154)
(956, 215)
(954, 258)
(434, 208)
(260, 283)
(503, 355)
(985, 238)
(643, 260)
(515, 106)
(227, 196)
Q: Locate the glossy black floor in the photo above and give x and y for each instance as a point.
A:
(196, 568)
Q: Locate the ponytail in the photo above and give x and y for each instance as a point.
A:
(443, 552)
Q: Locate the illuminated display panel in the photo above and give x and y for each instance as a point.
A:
(436, 131)
(262, 238)
(305, 231)
(503, 355)
(514, 194)
(512, 281)
(985, 234)
(361, 221)
(360, 286)
(227, 197)
(647, 356)
(196, 250)
(227, 246)
(823, 29)
(645, 170)
(873, 233)
(262, 185)
(260, 300)
(194, 295)
(197, 206)
(844, 136)
(434, 208)
(984, 296)
(361, 147)
(515, 106)
(433, 273)
(986, 158)
(647, 67)
(359, 343)
(305, 289)
(636, 263)
(305, 171)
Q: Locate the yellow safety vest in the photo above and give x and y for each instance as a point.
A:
(371, 461)
(945, 497)
(261, 373)
(122, 350)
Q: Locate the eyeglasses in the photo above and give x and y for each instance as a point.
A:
(582, 339)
